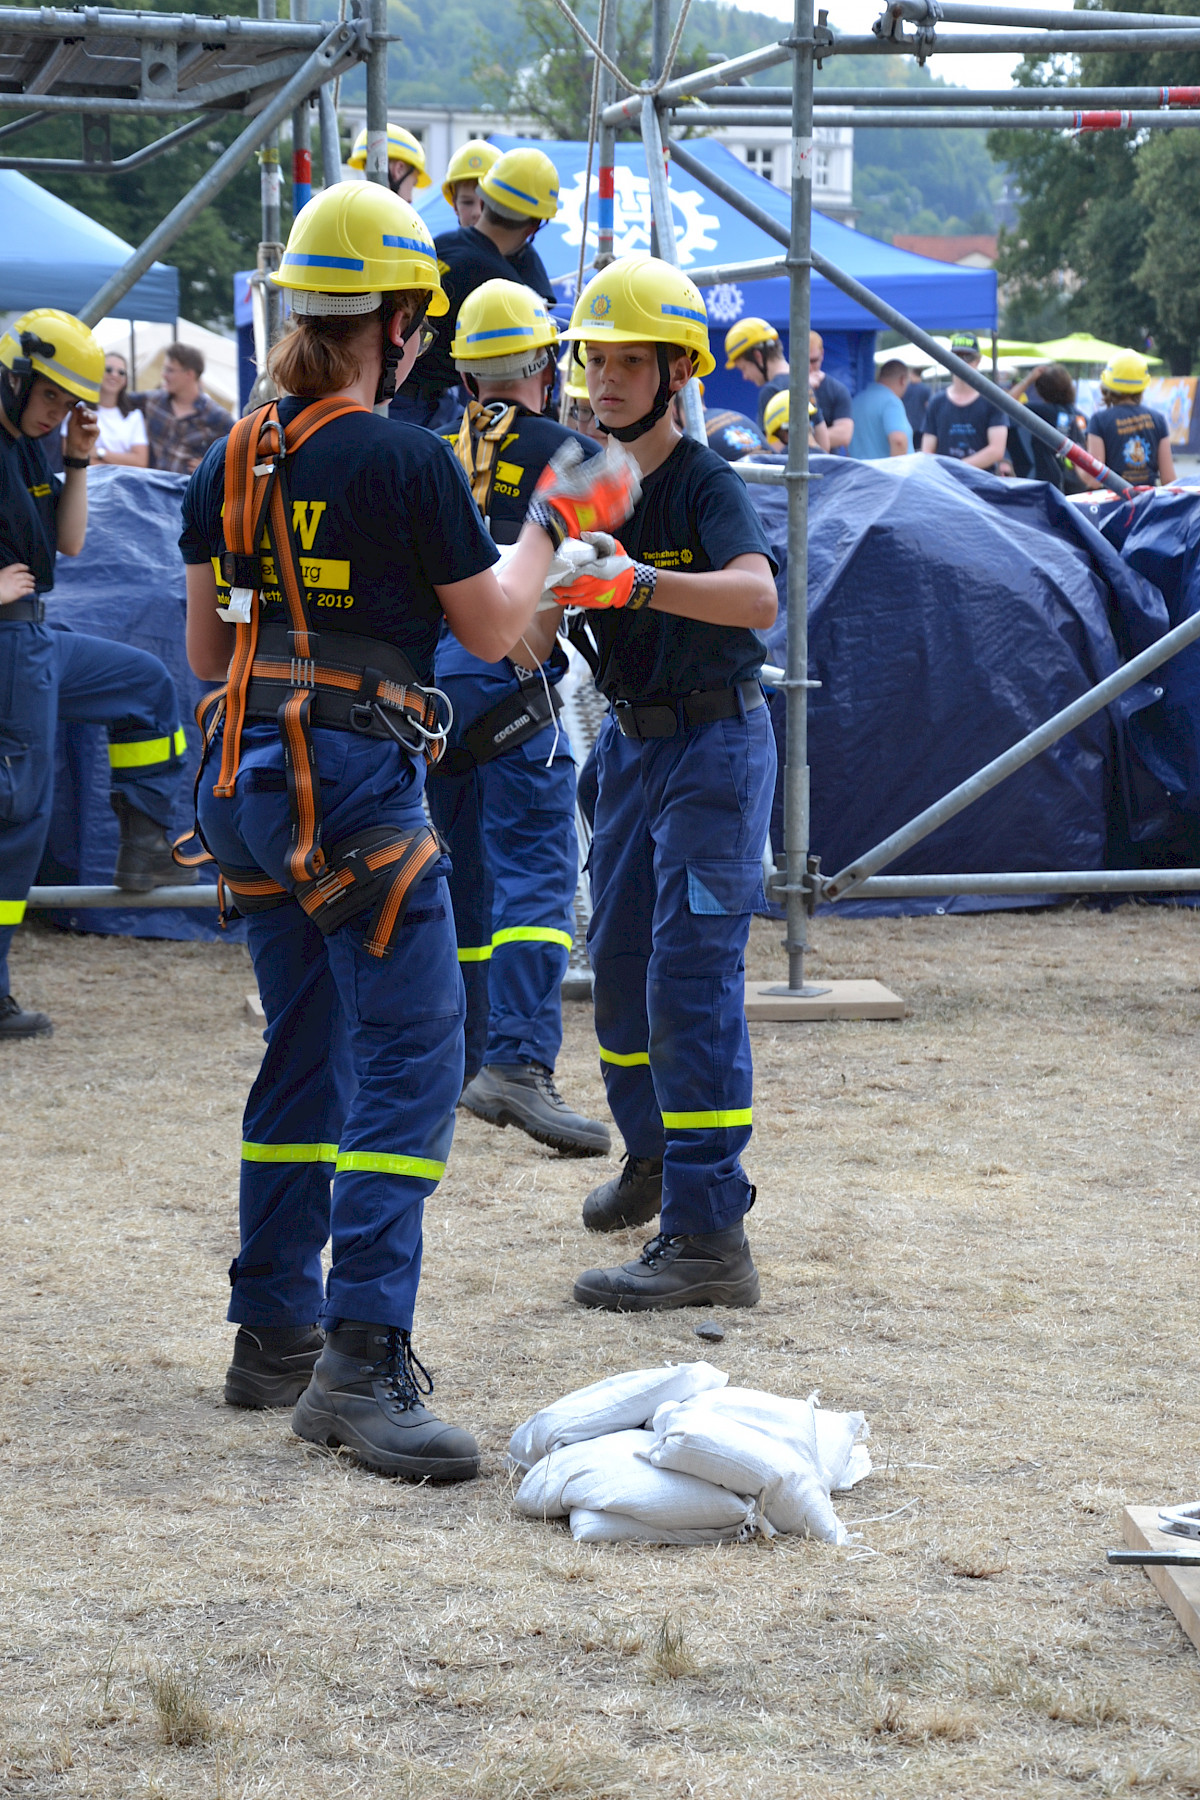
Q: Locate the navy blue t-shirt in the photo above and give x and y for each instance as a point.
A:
(1131, 434)
(29, 497)
(382, 515)
(832, 398)
(467, 258)
(694, 515)
(732, 435)
(961, 430)
(522, 456)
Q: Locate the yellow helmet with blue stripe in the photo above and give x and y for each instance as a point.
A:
(470, 162)
(57, 345)
(353, 243)
(503, 329)
(523, 183)
(643, 300)
(402, 146)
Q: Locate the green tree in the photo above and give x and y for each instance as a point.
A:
(1107, 230)
(553, 83)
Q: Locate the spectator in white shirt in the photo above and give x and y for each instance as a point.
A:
(122, 436)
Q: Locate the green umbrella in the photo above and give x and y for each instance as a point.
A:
(1081, 347)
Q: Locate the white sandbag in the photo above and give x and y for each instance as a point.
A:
(612, 1475)
(589, 1527)
(844, 1459)
(619, 1403)
(781, 1471)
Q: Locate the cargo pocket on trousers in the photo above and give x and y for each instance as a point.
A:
(722, 887)
(18, 777)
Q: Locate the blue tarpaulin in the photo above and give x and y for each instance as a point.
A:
(128, 585)
(934, 295)
(56, 256)
(949, 615)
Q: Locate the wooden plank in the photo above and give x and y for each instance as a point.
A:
(1180, 1588)
(844, 1000)
(254, 1010)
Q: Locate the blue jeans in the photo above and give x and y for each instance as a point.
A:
(349, 1122)
(676, 871)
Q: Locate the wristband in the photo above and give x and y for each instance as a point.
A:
(550, 520)
(645, 580)
(75, 462)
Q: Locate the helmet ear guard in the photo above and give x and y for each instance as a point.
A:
(18, 376)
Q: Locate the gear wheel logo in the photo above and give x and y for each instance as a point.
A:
(725, 303)
(695, 229)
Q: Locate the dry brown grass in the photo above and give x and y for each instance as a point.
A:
(980, 1225)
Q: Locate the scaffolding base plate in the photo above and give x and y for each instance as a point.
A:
(1180, 1588)
(839, 1000)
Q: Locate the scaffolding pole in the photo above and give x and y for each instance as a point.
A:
(1056, 440)
(307, 77)
(923, 99)
(1015, 43)
(267, 298)
(606, 176)
(980, 119)
(377, 96)
(301, 134)
(331, 144)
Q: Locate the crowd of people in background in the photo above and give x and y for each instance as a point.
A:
(898, 412)
(168, 427)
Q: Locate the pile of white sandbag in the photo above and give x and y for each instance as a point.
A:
(677, 1456)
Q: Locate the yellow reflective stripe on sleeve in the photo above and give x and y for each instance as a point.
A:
(377, 1163)
(707, 1121)
(532, 934)
(289, 1153)
(476, 953)
(11, 912)
(145, 751)
(631, 1061)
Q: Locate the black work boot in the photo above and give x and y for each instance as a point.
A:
(366, 1394)
(524, 1094)
(144, 859)
(713, 1269)
(15, 1022)
(272, 1364)
(632, 1198)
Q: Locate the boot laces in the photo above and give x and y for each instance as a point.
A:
(658, 1247)
(545, 1081)
(406, 1379)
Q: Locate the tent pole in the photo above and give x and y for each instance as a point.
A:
(1057, 440)
(220, 175)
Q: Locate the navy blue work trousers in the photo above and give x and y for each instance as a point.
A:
(509, 825)
(349, 1122)
(676, 869)
(48, 674)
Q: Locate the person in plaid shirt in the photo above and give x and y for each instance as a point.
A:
(181, 419)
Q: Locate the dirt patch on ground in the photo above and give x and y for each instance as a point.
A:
(979, 1225)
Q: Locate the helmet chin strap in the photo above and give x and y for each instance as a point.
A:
(627, 434)
(16, 383)
(393, 354)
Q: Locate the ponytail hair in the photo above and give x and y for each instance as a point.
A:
(321, 353)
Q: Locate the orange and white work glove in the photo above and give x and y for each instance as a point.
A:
(611, 579)
(574, 496)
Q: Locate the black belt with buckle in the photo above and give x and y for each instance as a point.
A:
(23, 612)
(638, 720)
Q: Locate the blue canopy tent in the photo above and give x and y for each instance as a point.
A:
(56, 256)
(934, 295)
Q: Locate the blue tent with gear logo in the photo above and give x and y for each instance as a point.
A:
(937, 296)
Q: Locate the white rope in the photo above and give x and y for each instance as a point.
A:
(631, 87)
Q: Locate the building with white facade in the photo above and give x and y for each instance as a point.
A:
(443, 129)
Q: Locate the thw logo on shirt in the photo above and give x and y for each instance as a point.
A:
(306, 516)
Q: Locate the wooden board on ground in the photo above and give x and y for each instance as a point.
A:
(1180, 1588)
(843, 1000)
(254, 1010)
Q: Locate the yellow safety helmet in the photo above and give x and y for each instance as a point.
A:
(54, 344)
(747, 335)
(643, 300)
(778, 412)
(503, 329)
(573, 380)
(469, 162)
(402, 147)
(1126, 373)
(352, 244)
(523, 183)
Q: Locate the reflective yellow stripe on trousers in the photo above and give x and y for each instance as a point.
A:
(144, 751)
(378, 1163)
(707, 1121)
(289, 1153)
(11, 912)
(635, 1058)
(515, 934)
